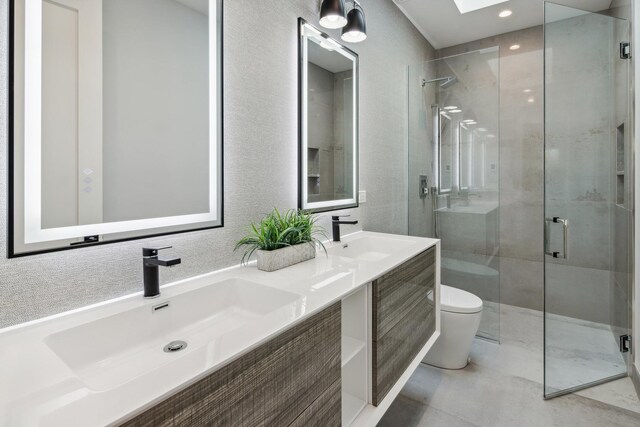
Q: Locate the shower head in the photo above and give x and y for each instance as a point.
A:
(451, 80)
(446, 81)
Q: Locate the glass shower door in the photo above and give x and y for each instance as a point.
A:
(454, 169)
(586, 199)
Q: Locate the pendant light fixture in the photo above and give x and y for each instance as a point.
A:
(332, 14)
(356, 29)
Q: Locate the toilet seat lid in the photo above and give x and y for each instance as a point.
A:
(456, 300)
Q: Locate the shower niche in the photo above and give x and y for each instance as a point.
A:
(620, 165)
(313, 172)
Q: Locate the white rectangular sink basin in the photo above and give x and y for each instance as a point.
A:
(111, 351)
(369, 248)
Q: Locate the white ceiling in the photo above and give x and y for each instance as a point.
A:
(470, 5)
(443, 25)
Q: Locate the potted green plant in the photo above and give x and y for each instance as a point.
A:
(282, 239)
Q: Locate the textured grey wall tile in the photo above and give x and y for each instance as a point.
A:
(521, 283)
(260, 155)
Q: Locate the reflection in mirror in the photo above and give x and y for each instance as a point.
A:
(117, 113)
(446, 152)
(465, 169)
(328, 97)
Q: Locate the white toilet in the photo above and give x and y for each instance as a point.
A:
(460, 313)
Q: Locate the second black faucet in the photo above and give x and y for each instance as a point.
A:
(335, 225)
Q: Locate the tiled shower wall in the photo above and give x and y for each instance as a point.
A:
(521, 158)
(589, 291)
(580, 127)
(260, 155)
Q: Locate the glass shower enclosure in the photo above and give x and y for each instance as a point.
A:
(454, 169)
(588, 206)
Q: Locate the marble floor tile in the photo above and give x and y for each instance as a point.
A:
(579, 352)
(408, 412)
(619, 393)
(489, 398)
(502, 386)
(521, 326)
(509, 358)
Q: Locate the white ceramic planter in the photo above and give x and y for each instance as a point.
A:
(281, 258)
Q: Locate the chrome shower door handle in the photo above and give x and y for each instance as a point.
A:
(565, 237)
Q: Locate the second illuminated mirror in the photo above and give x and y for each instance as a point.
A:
(328, 123)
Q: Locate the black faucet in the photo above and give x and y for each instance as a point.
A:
(335, 225)
(151, 275)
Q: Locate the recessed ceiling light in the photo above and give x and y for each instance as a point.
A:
(455, 111)
(472, 123)
(514, 47)
(465, 6)
(491, 135)
(481, 130)
(505, 13)
(530, 100)
(468, 121)
(527, 90)
(450, 107)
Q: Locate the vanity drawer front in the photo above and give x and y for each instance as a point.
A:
(325, 411)
(393, 353)
(274, 384)
(396, 293)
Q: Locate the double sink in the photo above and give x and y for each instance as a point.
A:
(110, 351)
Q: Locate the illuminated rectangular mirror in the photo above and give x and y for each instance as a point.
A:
(328, 123)
(116, 130)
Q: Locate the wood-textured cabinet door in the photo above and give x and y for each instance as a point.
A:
(290, 380)
(403, 319)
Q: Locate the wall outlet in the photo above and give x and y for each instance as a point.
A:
(362, 196)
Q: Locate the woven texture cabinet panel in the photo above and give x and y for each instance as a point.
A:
(403, 319)
(295, 375)
(325, 411)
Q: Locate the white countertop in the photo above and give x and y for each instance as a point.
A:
(38, 389)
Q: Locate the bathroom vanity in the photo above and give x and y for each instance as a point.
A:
(330, 341)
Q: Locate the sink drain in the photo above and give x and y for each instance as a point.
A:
(174, 346)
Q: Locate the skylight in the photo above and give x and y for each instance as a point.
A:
(465, 6)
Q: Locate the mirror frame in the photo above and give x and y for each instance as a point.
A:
(330, 205)
(98, 234)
